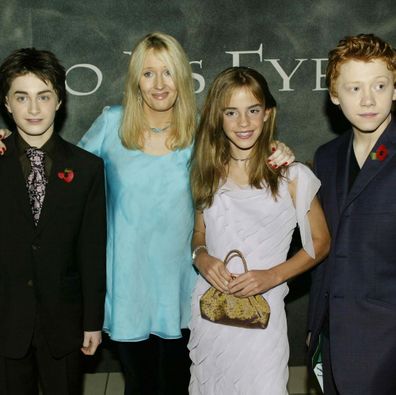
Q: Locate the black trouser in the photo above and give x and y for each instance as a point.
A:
(57, 376)
(156, 366)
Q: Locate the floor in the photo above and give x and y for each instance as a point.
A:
(300, 383)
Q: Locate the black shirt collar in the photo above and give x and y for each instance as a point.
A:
(48, 147)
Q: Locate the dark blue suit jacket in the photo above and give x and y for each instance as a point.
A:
(356, 284)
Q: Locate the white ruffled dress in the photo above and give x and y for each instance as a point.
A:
(236, 361)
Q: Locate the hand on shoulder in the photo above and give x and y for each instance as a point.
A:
(4, 133)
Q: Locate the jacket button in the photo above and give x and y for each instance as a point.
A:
(30, 283)
(34, 247)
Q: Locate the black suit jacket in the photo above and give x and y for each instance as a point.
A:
(356, 284)
(57, 269)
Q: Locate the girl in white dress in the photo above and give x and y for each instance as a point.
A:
(243, 203)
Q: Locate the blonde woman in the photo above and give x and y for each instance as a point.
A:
(146, 147)
(243, 204)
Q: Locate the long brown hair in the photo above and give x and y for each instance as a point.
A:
(211, 153)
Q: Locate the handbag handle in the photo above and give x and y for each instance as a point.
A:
(235, 253)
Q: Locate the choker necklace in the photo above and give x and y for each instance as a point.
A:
(160, 130)
(240, 160)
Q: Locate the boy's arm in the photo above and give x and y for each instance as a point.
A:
(91, 342)
(91, 255)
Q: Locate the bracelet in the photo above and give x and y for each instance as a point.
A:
(196, 250)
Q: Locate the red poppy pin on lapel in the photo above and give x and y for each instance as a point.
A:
(380, 154)
(66, 175)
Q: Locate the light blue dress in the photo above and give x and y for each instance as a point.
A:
(150, 276)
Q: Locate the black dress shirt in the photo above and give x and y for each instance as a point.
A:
(48, 148)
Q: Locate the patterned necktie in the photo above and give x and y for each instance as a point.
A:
(36, 181)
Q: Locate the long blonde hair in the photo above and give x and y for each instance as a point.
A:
(211, 154)
(184, 111)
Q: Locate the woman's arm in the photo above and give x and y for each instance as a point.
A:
(211, 268)
(282, 155)
(4, 133)
(258, 281)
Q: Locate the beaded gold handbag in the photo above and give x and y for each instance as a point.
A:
(250, 312)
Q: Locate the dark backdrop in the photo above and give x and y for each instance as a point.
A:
(287, 41)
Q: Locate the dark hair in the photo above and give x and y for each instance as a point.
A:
(43, 64)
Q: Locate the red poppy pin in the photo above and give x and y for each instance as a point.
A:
(380, 154)
(66, 175)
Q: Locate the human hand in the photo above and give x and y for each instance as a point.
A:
(91, 342)
(308, 339)
(282, 155)
(214, 271)
(4, 133)
(252, 283)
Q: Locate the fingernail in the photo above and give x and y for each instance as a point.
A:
(273, 149)
(269, 160)
(285, 164)
(274, 166)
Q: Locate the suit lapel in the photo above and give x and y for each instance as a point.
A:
(372, 167)
(13, 175)
(342, 175)
(53, 192)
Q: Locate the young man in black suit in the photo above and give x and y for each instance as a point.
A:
(52, 236)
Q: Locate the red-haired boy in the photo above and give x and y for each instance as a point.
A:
(353, 296)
